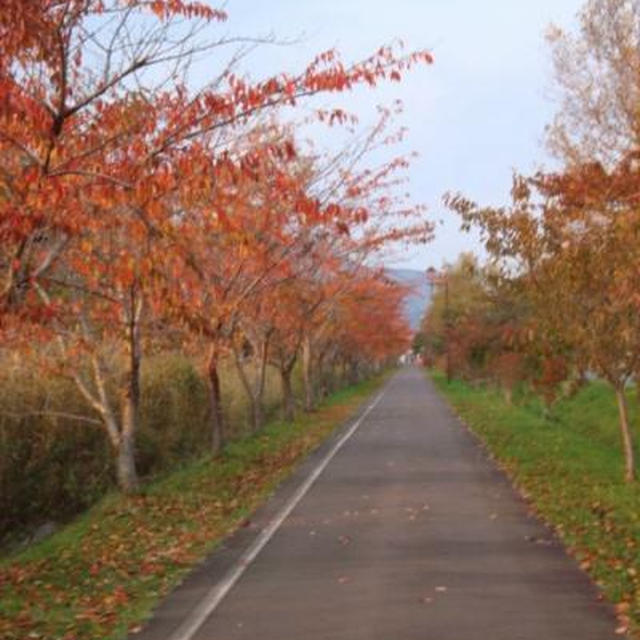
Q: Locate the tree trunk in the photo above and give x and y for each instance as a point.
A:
(344, 372)
(126, 473)
(627, 442)
(287, 394)
(322, 375)
(336, 381)
(258, 408)
(121, 432)
(309, 400)
(130, 401)
(216, 416)
(255, 392)
(257, 415)
(353, 372)
(245, 384)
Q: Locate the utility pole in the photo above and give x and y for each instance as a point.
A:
(442, 277)
(447, 325)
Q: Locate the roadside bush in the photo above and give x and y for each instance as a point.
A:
(50, 467)
(173, 414)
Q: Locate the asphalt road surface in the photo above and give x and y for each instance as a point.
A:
(408, 533)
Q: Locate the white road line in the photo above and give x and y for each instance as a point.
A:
(216, 594)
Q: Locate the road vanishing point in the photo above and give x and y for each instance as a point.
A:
(398, 528)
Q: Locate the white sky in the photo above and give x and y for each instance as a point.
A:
(476, 115)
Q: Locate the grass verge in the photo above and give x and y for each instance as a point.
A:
(569, 466)
(101, 576)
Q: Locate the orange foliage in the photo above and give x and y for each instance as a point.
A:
(132, 206)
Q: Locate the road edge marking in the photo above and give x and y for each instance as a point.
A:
(209, 603)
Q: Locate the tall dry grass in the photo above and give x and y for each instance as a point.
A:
(53, 467)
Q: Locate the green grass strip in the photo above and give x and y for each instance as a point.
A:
(569, 465)
(101, 576)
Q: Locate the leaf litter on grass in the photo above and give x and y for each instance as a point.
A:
(101, 576)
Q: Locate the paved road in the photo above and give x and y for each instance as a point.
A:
(409, 533)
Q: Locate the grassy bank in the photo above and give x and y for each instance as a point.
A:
(101, 575)
(569, 465)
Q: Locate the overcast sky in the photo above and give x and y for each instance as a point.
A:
(476, 115)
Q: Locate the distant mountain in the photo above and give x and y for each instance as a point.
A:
(418, 300)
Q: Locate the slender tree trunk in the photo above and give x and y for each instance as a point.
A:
(126, 473)
(627, 442)
(121, 433)
(130, 403)
(353, 372)
(257, 412)
(344, 372)
(264, 354)
(307, 378)
(245, 383)
(255, 392)
(322, 375)
(216, 416)
(287, 393)
(336, 381)
(258, 409)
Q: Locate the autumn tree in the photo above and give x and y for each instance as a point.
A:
(371, 325)
(597, 82)
(459, 298)
(293, 308)
(570, 240)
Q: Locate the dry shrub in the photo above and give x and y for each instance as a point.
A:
(50, 467)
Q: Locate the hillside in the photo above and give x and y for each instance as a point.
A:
(421, 293)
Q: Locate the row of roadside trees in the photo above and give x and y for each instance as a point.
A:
(559, 298)
(139, 212)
